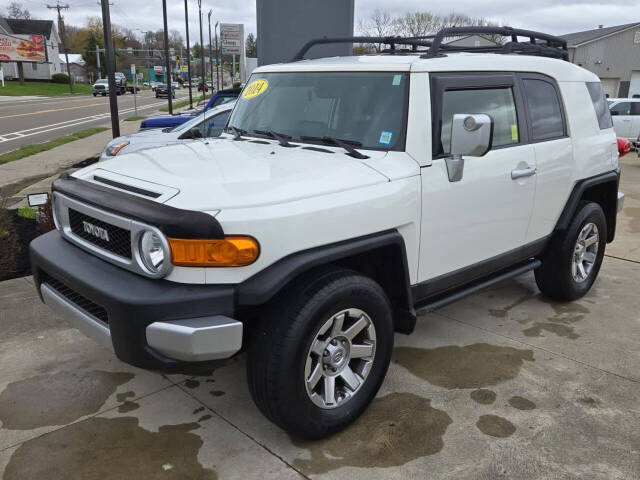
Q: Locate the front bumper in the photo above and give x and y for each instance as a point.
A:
(148, 323)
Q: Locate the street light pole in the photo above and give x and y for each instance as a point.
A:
(210, 49)
(204, 83)
(111, 66)
(167, 58)
(218, 57)
(186, 22)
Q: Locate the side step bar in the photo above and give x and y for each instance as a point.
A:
(439, 301)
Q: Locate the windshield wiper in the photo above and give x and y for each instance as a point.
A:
(280, 137)
(346, 144)
(237, 132)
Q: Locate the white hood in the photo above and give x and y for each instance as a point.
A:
(223, 173)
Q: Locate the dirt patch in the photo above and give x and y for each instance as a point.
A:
(15, 234)
(521, 403)
(101, 449)
(472, 366)
(483, 396)
(122, 397)
(192, 383)
(56, 399)
(394, 430)
(495, 426)
(217, 393)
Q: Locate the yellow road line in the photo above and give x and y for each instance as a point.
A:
(39, 112)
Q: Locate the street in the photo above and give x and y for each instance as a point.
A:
(24, 122)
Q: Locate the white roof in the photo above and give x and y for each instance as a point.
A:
(464, 61)
(73, 58)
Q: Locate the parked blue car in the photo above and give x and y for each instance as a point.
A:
(163, 121)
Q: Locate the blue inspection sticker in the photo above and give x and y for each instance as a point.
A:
(396, 80)
(385, 137)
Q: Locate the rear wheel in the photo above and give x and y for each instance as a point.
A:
(573, 258)
(320, 354)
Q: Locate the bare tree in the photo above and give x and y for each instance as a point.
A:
(379, 24)
(417, 24)
(15, 10)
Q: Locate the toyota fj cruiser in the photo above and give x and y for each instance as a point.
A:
(346, 194)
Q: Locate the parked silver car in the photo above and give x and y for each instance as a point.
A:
(209, 124)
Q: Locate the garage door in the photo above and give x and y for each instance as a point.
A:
(634, 87)
(610, 86)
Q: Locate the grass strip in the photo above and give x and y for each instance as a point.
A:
(177, 105)
(134, 118)
(13, 88)
(27, 150)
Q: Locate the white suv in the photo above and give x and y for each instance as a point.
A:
(346, 194)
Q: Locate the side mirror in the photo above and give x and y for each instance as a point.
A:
(471, 135)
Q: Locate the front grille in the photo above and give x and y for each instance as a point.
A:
(84, 304)
(119, 239)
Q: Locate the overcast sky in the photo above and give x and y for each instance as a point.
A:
(551, 16)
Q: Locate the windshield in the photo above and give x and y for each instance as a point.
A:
(367, 109)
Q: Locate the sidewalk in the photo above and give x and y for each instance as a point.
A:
(28, 170)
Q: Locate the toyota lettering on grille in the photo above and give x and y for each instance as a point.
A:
(96, 231)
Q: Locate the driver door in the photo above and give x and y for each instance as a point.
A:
(478, 224)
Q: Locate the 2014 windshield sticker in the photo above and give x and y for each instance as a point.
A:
(255, 88)
(385, 137)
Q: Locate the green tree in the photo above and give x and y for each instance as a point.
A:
(251, 46)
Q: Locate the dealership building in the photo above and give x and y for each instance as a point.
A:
(612, 53)
(34, 70)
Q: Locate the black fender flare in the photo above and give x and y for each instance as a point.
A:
(577, 194)
(263, 286)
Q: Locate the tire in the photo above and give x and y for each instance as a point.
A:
(556, 277)
(279, 356)
(95, 94)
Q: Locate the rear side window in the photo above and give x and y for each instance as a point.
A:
(544, 110)
(600, 104)
(498, 103)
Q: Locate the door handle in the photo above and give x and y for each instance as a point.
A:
(523, 172)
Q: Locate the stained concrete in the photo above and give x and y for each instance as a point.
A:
(503, 384)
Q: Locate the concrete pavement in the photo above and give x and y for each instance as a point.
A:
(503, 384)
(27, 121)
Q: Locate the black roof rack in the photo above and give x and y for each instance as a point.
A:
(538, 44)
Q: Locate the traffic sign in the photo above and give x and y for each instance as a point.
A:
(133, 69)
(232, 38)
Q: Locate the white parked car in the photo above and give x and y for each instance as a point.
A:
(207, 125)
(345, 194)
(625, 113)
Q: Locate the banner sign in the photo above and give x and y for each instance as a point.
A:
(22, 48)
(158, 69)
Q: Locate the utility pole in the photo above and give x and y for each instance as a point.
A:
(186, 22)
(210, 51)
(111, 67)
(204, 83)
(61, 29)
(166, 57)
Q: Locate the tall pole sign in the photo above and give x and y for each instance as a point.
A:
(232, 43)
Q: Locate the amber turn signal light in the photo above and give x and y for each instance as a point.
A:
(228, 252)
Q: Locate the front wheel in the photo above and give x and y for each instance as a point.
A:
(573, 258)
(320, 353)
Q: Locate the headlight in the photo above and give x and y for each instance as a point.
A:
(112, 150)
(152, 251)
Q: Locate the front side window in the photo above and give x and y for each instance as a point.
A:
(212, 127)
(222, 100)
(366, 109)
(498, 103)
(622, 108)
(544, 110)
